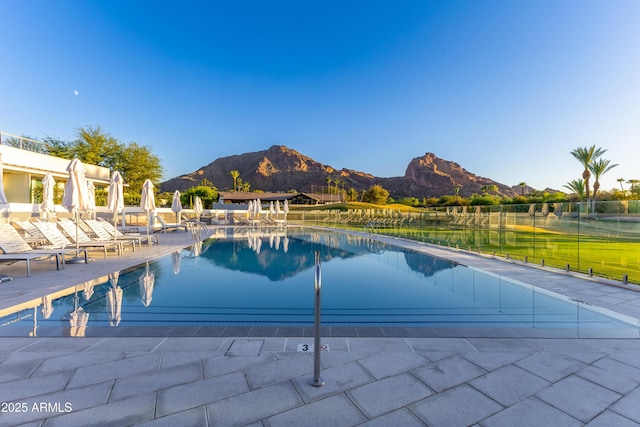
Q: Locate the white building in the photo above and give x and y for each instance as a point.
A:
(23, 171)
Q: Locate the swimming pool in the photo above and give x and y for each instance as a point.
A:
(265, 278)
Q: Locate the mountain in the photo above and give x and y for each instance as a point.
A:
(282, 169)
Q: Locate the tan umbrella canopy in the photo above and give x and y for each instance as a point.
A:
(47, 206)
(76, 197)
(148, 201)
(176, 205)
(197, 207)
(91, 193)
(115, 198)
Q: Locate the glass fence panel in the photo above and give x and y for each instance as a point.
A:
(603, 240)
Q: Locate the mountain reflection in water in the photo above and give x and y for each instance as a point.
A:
(257, 254)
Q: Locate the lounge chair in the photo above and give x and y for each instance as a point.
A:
(58, 239)
(115, 233)
(15, 248)
(101, 236)
(164, 226)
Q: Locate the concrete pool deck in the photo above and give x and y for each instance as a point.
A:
(256, 380)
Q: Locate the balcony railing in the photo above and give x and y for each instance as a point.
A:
(22, 143)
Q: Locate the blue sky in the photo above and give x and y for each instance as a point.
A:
(504, 88)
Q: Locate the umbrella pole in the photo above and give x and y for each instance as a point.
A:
(115, 226)
(77, 226)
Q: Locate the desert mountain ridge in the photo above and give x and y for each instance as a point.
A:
(280, 168)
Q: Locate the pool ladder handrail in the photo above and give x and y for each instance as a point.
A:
(317, 379)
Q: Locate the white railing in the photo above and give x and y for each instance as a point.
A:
(22, 143)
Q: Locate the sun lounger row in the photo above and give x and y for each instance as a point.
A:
(15, 248)
(48, 241)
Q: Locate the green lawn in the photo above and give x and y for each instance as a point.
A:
(609, 246)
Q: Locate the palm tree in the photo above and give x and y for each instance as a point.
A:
(456, 189)
(621, 180)
(235, 175)
(522, 185)
(336, 181)
(586, 155)
(599, 167)
(576, 186)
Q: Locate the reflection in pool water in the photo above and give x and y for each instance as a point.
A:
(265, 277)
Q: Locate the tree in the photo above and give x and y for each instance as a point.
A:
(207, 194)
(96, 147)
(576, 186)
(376, 194)
(243, 186)
(59, 148)
(620, 181)
(598, 168)
(586, 155)
(136, 164)
(235, 175)
(522, 185)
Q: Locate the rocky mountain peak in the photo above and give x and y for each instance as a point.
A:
(280, 168)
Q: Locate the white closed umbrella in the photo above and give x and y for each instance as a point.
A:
(78, 320)
(148, 201)
(114, 305)
(3, 197)
(4, 204)
(176, 205)
(277, 208)
(176, 259)
(91, 199)
(250, 209)
(88, 289)
(114, 300)
(115, 197)
(285, 209)
(146, 283)
(197, 207)
(76, 192)
(272, 210)
(47, 206)
(47, 307)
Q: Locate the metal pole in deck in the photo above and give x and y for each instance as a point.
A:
(317, 380)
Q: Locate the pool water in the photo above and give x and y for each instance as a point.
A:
(266, 277)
